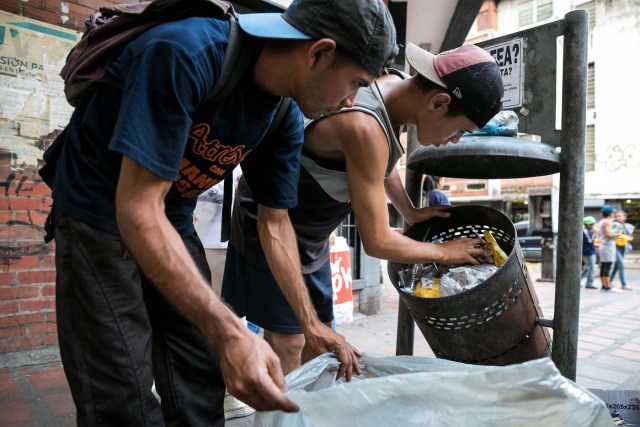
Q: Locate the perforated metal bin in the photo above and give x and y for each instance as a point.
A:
(493, 323)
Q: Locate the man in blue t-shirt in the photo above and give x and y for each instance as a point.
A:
(134, 300)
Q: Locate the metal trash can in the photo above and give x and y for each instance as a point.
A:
(493, 323)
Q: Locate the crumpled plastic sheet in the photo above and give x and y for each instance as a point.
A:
(460, 279)
(505, 123)
(424, 391)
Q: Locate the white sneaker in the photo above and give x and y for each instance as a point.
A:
(234, 408)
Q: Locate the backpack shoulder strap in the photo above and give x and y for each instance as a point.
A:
(236, 59)
(277, 118)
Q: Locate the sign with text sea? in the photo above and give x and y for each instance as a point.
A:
(510, 59)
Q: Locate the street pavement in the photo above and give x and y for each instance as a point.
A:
(34, 392)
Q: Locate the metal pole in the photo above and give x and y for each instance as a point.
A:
(571, 200)
(413, 181)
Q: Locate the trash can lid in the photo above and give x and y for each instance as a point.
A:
(486, 157)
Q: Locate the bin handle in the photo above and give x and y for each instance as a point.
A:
(548, 323)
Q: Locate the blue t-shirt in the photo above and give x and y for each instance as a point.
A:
(588, 248)
(156, 119)
(438, 198)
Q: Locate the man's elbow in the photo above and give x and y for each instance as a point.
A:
(375, 247)
(134, 216)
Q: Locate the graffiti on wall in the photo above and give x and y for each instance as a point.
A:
(33, 110)
(618, 156)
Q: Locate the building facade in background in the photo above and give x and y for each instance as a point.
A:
(612, 169)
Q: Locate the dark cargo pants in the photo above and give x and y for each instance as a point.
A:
(117, 334)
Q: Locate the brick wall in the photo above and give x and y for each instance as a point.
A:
(27, 265)
(27, 269)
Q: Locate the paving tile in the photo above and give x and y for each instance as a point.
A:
(594, 383)
(631, 347)
(593, 319)
(618, 362)
(605, 334)
(70, 421)
(48, 379)
(604, 374)
(610, 312)
(8, 387)
(626, 353)
(613, 329)
(590, 346)
(584, 354)
(59, 403)
(15, 414)
(596, 340)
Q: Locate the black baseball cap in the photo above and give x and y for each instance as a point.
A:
(469, 72)
(362, 29)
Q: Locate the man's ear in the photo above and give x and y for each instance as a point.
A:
(321, 51)
(440, 100)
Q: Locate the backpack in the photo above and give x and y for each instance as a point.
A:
(107, 33)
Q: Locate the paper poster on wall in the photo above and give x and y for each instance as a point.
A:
(32, 102)
(510, 59)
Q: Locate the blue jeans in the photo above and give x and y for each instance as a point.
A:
(117, 334)
(588, 268)
(619, 265)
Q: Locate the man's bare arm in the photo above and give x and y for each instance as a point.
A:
(365, 174)
(251, 370)
(278, 240)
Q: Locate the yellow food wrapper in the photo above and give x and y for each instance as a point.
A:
(499, 257)
(432, 291)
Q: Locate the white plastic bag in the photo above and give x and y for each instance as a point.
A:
(424, 391)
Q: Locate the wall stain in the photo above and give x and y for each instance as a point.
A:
(619, 157)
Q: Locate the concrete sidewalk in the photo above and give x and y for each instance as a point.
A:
(34, 391)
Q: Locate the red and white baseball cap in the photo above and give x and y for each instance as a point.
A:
(469, 72)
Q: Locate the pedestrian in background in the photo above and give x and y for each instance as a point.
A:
(588, 252)
(623, 247)
(431, 194)
(607, 249)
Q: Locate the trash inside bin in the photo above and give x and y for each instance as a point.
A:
(493, 323)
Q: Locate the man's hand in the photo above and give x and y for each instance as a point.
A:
(417, 215)
(462, 251)
(252, 372)
(320, 339)
(280, 248)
